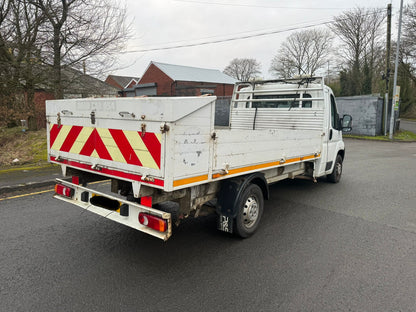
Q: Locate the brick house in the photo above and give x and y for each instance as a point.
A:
(161, 79)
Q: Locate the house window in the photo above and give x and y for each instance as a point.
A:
(207, 91)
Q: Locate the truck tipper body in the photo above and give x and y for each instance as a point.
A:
(158, 150)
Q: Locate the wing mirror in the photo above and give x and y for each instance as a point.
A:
(346, 122)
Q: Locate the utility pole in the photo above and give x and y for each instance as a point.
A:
(328, 71)
(387, 77)
(396, 66)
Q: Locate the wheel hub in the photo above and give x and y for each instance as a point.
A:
(250, 212)
(338, 169)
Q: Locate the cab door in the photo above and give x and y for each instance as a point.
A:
(334, 135)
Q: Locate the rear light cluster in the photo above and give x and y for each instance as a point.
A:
(64, 190)
(153, 222)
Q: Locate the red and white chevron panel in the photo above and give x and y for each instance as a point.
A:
(129, 147)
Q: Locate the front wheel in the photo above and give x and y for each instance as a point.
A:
(335, 175)
(250, 209)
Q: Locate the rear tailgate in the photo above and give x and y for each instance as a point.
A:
(118, 137)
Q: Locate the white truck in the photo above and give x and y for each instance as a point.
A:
(158, 150)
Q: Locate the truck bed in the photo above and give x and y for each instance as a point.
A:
(172, 143)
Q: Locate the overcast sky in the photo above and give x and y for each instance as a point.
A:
(158, 24)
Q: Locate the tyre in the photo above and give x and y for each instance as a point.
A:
(335, 175)
(250, 209)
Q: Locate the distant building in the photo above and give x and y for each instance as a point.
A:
(79, 85)
(161, 79)
(75, 85)
(122, 82)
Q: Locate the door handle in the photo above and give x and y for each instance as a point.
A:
(330, 134)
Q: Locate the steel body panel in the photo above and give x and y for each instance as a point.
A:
(263, 146)
(153, 108)
(189, 154)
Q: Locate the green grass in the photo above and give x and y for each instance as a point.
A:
(402, 136)
(29, 147)
(405, 136)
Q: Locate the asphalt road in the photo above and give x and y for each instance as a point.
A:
(321, 247)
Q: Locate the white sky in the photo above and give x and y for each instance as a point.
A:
(163, 23)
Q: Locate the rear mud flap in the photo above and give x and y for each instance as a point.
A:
(225, 224)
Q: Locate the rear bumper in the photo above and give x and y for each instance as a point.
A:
(81, 199)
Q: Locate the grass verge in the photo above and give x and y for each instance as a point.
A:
(20, 149)
(401, 136)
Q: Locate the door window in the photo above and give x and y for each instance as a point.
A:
(334, 113)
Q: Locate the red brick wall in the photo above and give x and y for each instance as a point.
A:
(189, 88)
(113, 83)
(226, 90)
(40, 98)
(164, 82)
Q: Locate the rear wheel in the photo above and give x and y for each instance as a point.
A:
(335, 175)
(250, 209)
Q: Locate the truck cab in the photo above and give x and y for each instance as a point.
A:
(295, 104)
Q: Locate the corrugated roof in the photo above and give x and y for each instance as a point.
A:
(186, 73)
(75, 82)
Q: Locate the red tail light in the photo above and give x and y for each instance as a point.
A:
(153, 222)
(64, 190)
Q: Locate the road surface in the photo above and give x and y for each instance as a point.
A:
(408, 125)
(320, 247)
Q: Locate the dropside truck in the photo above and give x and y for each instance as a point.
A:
(167, 160)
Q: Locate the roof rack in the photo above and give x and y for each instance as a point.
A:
(295, 80)
(299, 84)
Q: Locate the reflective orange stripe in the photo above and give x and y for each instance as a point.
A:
(266, 165)
(243, 169)
(190, 180)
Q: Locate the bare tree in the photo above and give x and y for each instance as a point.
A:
(407, 66)
(4, 57)
(4, 10)
(5, 31)
(409, 38)
(359, 30)
(42, 38)
(244, 69)
(19, 55)
(303, 52)
(78, 31)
